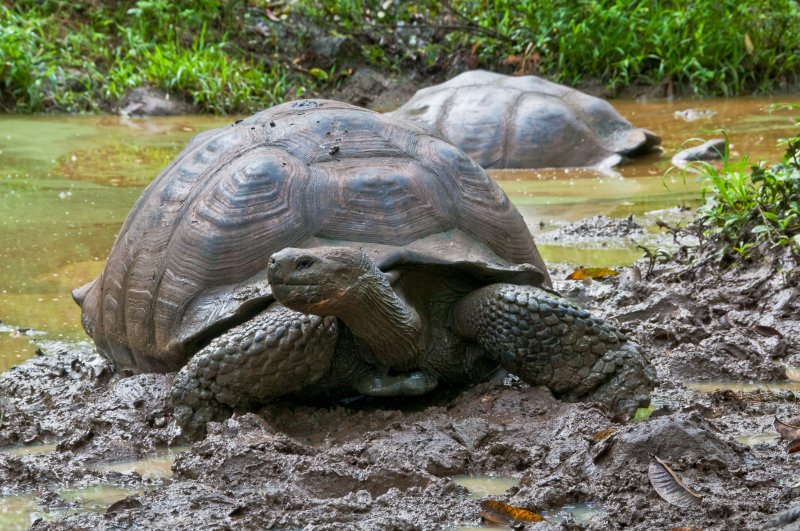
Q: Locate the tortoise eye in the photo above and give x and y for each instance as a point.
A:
(303, 263)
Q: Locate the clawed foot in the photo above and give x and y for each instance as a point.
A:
(629, 386)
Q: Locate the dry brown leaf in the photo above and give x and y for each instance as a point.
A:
(595, 273)
(787, 430)
(793, 447)
(603, 434)
(497, 512)
(767, 331)
(669, 486)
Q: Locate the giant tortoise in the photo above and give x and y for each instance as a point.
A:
(321, 249)
(526, 122)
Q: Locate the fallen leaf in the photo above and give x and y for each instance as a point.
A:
(787, 430)
(497, 512)
(603, 434)
(767, 331)
(594, 273)
(793, 447)
(669, 486)
(318, 73)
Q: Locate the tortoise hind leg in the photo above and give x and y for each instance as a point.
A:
(546, 341)
(278, 352)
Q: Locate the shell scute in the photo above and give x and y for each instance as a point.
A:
(390, 202)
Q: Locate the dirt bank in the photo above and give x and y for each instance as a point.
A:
(373, 464)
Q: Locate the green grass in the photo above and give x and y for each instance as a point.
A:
(752, 205)
(699, 47)
(72, 57)
(242, 55)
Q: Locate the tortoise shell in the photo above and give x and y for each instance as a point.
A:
(190, 259)
(526, 122)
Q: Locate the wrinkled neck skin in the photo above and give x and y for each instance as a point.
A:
(379, 316)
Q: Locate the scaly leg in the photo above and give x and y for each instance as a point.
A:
(547, 341)
(276, 353)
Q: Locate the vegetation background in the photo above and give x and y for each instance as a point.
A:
(234, 56)
(239, 56)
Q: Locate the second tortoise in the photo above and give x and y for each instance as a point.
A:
(526, 122)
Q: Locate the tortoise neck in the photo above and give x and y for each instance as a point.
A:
(384, 321)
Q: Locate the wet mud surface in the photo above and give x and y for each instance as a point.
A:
(370, 464)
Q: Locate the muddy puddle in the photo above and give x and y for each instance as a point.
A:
(85, 448)
(19, 512)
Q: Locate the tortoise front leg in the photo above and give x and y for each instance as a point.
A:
(278, 352)
(547, 341)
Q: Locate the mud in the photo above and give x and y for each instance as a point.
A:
(380, 464)
(599, 228)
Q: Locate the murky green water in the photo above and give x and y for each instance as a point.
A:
(31, 449)
(486, 486)
(156, 466)
(18, 512)
(480, 486)
(67, 183)
(742, 387)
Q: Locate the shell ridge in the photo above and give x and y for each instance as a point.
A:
(139, 205)
(201, 185)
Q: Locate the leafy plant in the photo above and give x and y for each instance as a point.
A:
(749, 205)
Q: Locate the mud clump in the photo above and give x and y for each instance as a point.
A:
(600, 228)
(389, 464)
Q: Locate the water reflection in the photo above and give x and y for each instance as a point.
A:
(155, 466)
(19, 512)
(480, 486)
(756, 439)
(742, 387)
(580, 512)
(32, 449)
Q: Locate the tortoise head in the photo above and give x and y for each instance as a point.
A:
(321, 280)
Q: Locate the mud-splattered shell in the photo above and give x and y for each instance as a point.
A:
(190, 259)
(526, 122)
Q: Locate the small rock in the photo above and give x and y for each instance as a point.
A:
(690, 115)
(149, 102)
(712, 150)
